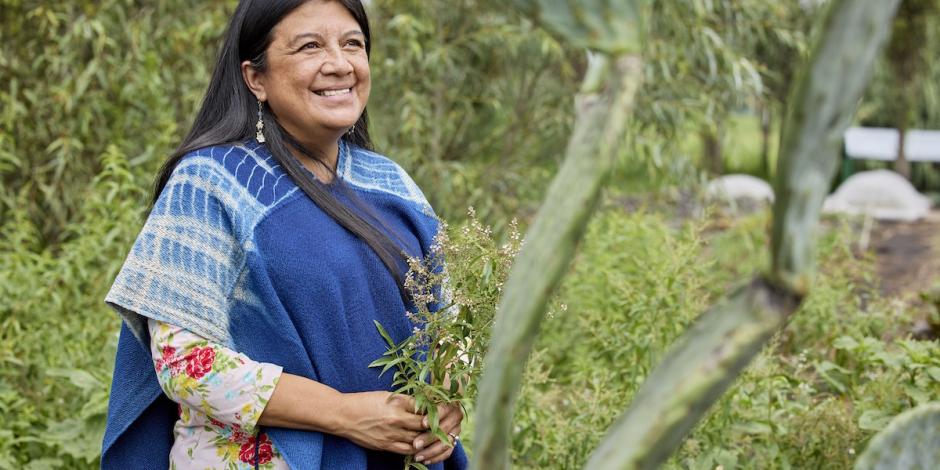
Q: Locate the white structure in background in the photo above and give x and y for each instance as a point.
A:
(880, 194)
(740, 187)
(881, 143)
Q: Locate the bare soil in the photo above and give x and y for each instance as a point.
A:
(907, 255)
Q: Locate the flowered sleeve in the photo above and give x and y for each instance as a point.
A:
(228, 387)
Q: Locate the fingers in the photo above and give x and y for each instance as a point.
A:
(451, 417)
(403, 401)
(402, 448)
(401, 441)
(447, 415)
(424, 439)
(411, 422)
(438, 451)
(408, 437)
(406, 417)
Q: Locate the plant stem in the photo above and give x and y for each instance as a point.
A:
(599, 133)
(708, 357)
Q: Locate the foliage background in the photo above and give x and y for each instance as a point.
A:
(475, 101)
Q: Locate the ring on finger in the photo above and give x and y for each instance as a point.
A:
(456, 437)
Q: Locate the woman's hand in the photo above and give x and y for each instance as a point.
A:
(430, 449)
(381, 421)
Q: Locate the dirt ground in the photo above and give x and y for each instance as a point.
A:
(908, 263)
(908, 255)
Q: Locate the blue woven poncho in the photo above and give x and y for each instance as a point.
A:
(234, 251)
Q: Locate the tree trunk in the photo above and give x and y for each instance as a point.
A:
(604, 107)
(901, 165)
(766, 115)
(712, 157)
(819, 109)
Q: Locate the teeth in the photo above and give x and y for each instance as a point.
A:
(334, 92)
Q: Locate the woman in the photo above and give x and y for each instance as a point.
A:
(275, 241)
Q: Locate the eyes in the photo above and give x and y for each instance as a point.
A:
(356, 43)
(349, 44)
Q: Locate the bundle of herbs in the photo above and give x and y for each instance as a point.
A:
(454, 307)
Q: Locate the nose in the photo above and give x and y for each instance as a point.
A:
(337, 63)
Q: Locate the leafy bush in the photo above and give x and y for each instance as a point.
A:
(474, 99)
(81, 77)
(96, 94)
(57, 339)
(811, 400)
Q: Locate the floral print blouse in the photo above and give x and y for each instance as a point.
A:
(221, 394)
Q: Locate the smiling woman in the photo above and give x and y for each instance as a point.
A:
(314, 75)
(276, 239)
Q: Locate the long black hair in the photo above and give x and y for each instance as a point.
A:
(229, 111)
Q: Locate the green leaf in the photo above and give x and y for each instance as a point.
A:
(911, 440)
(917, 394)
(391, 364)
(754, 427)
(845, 342)
(487, 274)
(388, 339)
(874, 420)
(934, 373)
(609, 26)
(827, 371)
(78, 378)
(379, 362)
(442, 436)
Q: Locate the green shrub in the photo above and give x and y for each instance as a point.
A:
(57, 338)
(810, 400)
(96, 95)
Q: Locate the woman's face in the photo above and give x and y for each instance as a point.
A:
(317, 79)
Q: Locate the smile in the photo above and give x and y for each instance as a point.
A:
(343, 91)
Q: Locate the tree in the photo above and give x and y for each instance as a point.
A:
(74, 73)
(909, 64)
(464, 86)
(778, 47)
(706, 59)
(698, 69)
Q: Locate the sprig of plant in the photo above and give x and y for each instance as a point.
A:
(454, 307)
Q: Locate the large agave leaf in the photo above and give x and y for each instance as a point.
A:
(820, 107)
(610, 26)
(910, 442)
(604, 107)
(710, 355)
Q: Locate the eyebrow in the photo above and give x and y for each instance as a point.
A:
(293, 42)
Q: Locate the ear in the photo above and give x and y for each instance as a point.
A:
(255, 80)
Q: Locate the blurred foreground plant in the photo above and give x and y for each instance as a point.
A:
(911, 441)
(712, 353)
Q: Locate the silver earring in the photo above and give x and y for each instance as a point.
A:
(351, 131)
(260, 125)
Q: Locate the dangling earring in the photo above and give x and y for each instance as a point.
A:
(260, 125)
(351, 131)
